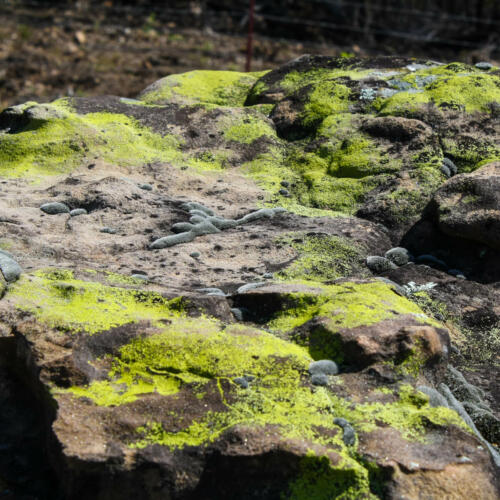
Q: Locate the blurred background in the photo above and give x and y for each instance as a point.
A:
(50, 49)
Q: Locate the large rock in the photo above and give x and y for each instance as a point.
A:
(468, 206)
(183, 372)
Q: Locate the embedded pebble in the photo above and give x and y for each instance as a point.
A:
(146, 187)
(379, 264)
(193, 205)
(108, 230)
(285, 184)
(78, 211)
(267, 276)
(450, 166)
(212, 291)
(445, 170)
(349, 436)
(399, 255)
(323, 366)
(284, 192)
(10, 269)
(238, 313)
(319, 379)
(139, 276)
(194, 255)
(250, 286)
(241, 381)
(484, 65)
(55, 207)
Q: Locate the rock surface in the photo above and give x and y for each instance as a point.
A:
(211, 326)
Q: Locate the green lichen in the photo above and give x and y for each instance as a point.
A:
(321, 257)
(249, 128)
(60, 301)
(453, 86)
(213, 88)
(346, 305)
(60, 144)
(327, 98)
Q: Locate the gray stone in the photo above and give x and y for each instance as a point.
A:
(349, 436)
(55, 207)
(193, 205)
(399, 255)
(285, 184)
(78, 211)
(379, 264)
(241, 381)
(238, 313)
(194, 255)
(284, 192)
(451, 166)
(319, 379)
(250, 286)
(446, 171)
(138, 276)
(10, 269)
(324, 366)
(484, 65)
(146, 187)
(212, 291)
(108, 230)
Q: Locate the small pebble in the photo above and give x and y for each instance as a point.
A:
(108, 230)
(349, 436)
(139, 276)
(484, 65)
(54, 208)
(323, 366)
(238, 313)
(446, 171)
(241, 381)
(319, 379)
(78, 211)
(284, 192)
(451, 166)
(267, 276)
(250, 286)
(10, 269)
(285, 184)
(146, 187)
(194, 255)
(379, 264)
(399, 255)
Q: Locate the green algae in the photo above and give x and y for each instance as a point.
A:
(453, 86)
(60, 301)
(220, 88)
(346, 305)
(327, 98)
(248, 129)
(321, 257)
(61, 143)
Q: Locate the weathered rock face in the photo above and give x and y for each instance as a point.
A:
(172, 266)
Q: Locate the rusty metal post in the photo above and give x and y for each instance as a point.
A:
(248, 65)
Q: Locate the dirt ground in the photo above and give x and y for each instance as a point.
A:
(49, 52)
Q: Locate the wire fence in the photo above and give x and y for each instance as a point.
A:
(336, 21)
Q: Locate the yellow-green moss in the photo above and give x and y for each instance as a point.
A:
(248, 129)
(453, 86)
(320, 257)
(346, 305)
(59, 144)
(221, 88)
(59, 300)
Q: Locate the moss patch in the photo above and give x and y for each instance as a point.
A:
(347, 305)
(220, 88)
(59, 144)
(60, 301)
(321, 257)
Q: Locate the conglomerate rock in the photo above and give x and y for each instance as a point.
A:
(182, 371)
